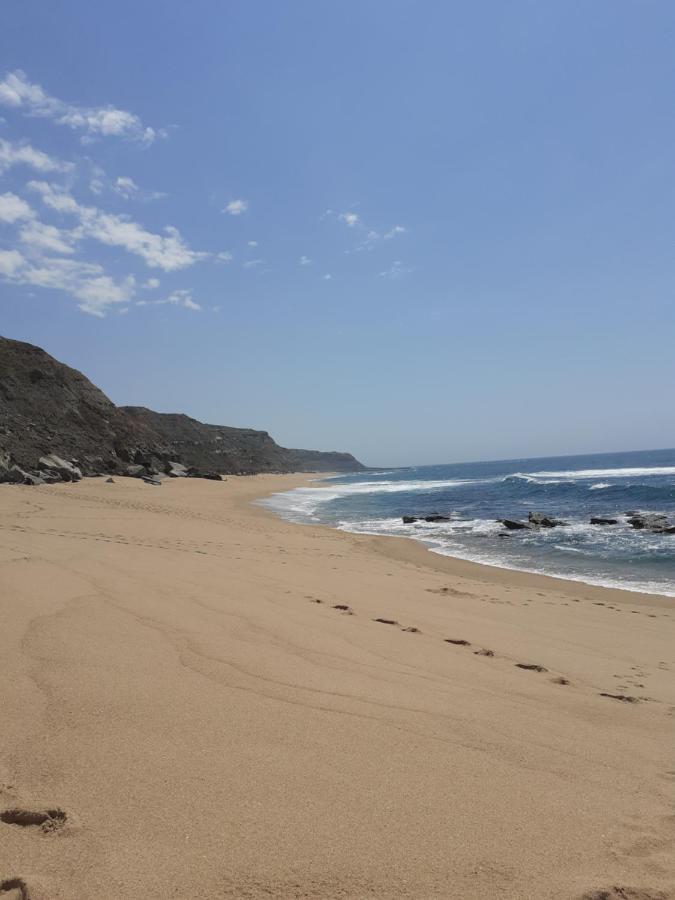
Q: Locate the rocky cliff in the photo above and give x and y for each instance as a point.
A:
(54, 424)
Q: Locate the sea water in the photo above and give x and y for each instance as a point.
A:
(476, 495)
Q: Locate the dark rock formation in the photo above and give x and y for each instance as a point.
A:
(601, 520)
(544, 521)
(436, 517)
(238, 451)
(513, 525)
(408, 520)
(655, 523)
(55, 425)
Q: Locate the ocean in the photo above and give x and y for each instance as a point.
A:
(476, 495)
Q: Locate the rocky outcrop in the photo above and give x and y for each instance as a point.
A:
(514, 525)
(603, 520)
(654, 523)
(55, 425)
(226, 450)
(543, 521)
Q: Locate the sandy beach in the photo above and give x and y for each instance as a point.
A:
(198, 700)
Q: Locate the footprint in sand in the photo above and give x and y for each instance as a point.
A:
(47, 820)
(411, 629)
(626, 893)
(625, 698)
(531, 667)
(14, 889)
(560, 680)
(459, 641)
(386, 621)
(484, 652)
(342, 607)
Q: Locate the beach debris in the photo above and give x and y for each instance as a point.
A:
(560, 680)
(386, 621)
(531, 667)
(459, 641)
(625, 698)
(45, 819)
(110, 480)
(484, 652)
(603, 520)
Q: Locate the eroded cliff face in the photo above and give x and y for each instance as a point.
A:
(226, 449)
(51, 413)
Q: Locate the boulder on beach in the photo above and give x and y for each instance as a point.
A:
(64, 470)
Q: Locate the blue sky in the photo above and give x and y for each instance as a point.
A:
(419, 231)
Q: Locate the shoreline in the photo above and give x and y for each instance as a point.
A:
(218, 703)
(417, 551)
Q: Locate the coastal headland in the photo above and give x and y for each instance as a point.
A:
(202, 700)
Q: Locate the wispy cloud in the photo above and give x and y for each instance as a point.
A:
(395, 270)
(236, 207)
(224, 256)
(13, 208)
(181, 298)
(253, 263)
(17, 92)
(37, 236)
(87, 282)
(327, 277)
(127, 188)
(305, 261)
(22, 154)
(151, 284)
(351, 219)
(166, 251)
(252, 243)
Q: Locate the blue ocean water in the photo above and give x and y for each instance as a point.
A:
(475, 495)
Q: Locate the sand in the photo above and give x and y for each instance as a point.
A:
(185, 712)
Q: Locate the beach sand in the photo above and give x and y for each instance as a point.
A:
(182, 691)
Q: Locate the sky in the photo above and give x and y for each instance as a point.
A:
(419, 230)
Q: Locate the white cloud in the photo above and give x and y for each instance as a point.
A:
(17, 92)
(305, 261)
(126, 187)
(87, 282)
(351, 219)
(395, 270)
(12, 154)
(181, 298)
(168, 251)
(236, 207)
(253, 263)
(224, 256)
(393, 232)
(40, 237)
(10, 262)
(13, 208)
(327, 277)
(151, 283)
(252, 243)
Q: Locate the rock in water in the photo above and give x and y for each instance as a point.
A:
(601, 520)
(408, 520)
(514, 525)
(544, 521)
